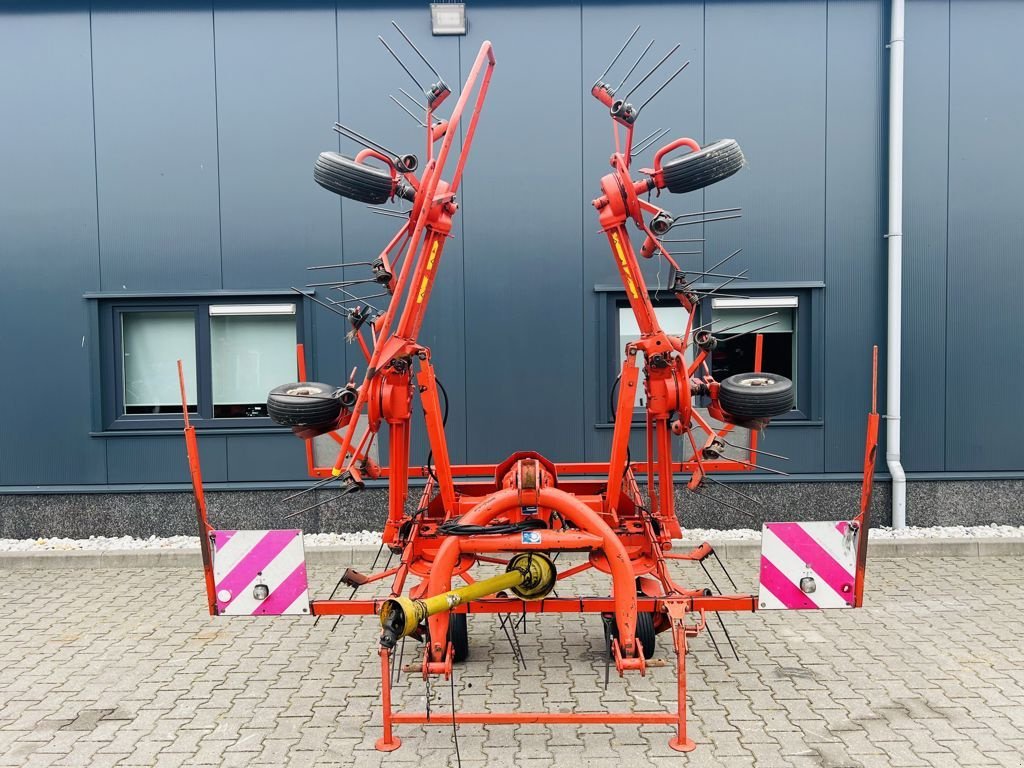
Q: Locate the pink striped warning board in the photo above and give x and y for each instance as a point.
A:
(260, 573)
(808, 565)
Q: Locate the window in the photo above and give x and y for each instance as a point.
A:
(736, 322)
(232, 355)
(672, 319)
(784, 315)
(152, 343)
(252, 351)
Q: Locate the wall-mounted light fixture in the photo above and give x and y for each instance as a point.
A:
(448, 18)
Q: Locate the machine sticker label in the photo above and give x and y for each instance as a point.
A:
(531, 537)
(260, 573)
(625, 265)
(423, 290)
(433, 253)
(807, 565)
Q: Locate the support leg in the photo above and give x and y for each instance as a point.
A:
(680, 742)
(388, 742)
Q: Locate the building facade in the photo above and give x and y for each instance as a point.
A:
(157, 201)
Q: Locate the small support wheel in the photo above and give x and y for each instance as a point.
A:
(458, 634)
(645, 633)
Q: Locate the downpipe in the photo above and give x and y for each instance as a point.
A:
(894, 340)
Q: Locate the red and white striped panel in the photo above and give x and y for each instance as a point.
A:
(260, 573)
(807, 565)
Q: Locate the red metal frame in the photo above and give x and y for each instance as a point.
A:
(595, 508)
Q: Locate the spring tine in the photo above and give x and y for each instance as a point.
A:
(747, 333)
(706, 213)
(738, 493)
(313, 487)
(751, 515)
(325, 305)
(662, 87)
(418, 51)
(656, 139)
(708, 274)
(758, 466)
(646, 144)
(335, 283)
(711, 637)
(683, 240)
(401, 63)
(704, 221)
(353, 297)
(386, 212)
(346, 264)
(407, 111)
(727, 637)
(722, 566)
(686, 253)
(716, 266)
(635, 64)
(413, 99)
(653, 70)
(359, 138)
(312, 506)
(755, 450)
(636, 147)
(710, 577)
(616, 57)
(747, 322)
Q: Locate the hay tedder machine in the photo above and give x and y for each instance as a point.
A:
(520, 514)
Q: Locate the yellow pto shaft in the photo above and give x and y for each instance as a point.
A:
(530, 575)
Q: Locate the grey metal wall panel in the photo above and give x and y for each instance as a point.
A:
(259, 458)
(765, 85)
(47, 248)
(156, 147)
(986, 234)
(680, 107)
(522, 224)
(367, 75)
(925, 169)
(854, 224)
(277, 97)
(159, 459)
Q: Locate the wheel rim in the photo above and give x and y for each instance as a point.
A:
(757, 381)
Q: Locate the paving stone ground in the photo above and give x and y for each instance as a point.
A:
(123, 667)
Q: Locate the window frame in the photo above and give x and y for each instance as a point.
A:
(808, 327)
(111, 415)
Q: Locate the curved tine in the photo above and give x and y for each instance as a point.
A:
(616, 58)
(418, 51)
(635, 64)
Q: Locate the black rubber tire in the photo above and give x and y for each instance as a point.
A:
(458, 634)
(304, 404)
(756, 395)
(696, 170)
(645, 633)
(356, 181)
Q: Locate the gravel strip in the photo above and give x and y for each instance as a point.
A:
(363, 538)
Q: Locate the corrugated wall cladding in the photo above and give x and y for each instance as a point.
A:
(168, 146)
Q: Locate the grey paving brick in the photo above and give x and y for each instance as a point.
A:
(145, 678)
